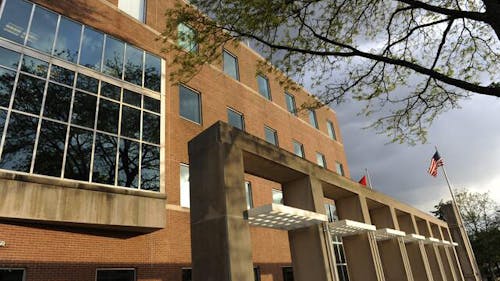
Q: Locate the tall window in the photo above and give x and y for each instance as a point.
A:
(277, 196)
(12, 274)
(312, 119)
(184, 185)
(298, 149)
(338, 247)
(235, 119)
(115, 275)
(231, 65)
(78, 43)
(189, 104)
(320, 159)
(80, 126)
(187, 274)
(339, 168)
(249, 195)
(290, 104)
(287, 273)
(186, 38)
(331, 130)
(264, 89)
(271, 135)
(135, 8)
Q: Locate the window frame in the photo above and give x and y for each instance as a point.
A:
(273, 191)
(188, 206)
(116, 269)
(195, 44)
(292, 111)
(249, 194)
(242, 117)
(16, 268)
(330, 127)
(294, 142)
(339, 166)
(268, 85)
(236, 66)
(144, 12)
(313, 119)
(323, 159)
(186, 268)
(200, 112)
(275, 134)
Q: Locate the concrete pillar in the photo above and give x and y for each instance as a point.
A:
(417, 256)
(220, 237)
(392, 252)
(452, 255)
(310, 257)
(464, 251)
(433, 255)
(362, 254)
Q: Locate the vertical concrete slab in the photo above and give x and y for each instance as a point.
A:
(362, 254)
(221, 248)
(447, 263)
(307, 245)
(433, 256)
(452, 255)
(417, 256)
(464, 252)
(394, 259)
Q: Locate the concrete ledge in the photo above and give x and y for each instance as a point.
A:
(28, 198)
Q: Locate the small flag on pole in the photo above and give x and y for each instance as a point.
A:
(436, 162)
(363, 180)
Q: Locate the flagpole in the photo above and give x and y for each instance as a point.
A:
(369, 178)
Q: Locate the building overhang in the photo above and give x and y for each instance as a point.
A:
(388, 233)
(348, 228)
(412, 237)
(283, 217)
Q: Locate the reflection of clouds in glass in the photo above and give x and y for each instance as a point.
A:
(14, 22)
(42, 30)
(68, 40)
(91, 48)
(113, 57)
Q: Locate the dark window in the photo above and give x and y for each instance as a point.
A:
(231, 65)
(9, 58)
(298, 149)
(189, 104)
(107, 119)
(115, 275)
(186, 274)
(84, 107)
(113, 57)
(128, 164)
(42, 30)
(264, 89)
(35, 66)
(131, 122)
(287, 273)
(235, 119)
(331, 130)
(151, 104)
(68, 40)
(271, 135)
(104, 159)
(150, 168)
(87, 83)
(29, 94)
(134, 65)
(6, 85)
(132, 98)
(50, 149)
(19, 143)
(91, 52)
(78, 154)
(110, 91)
(312, 118)
(152, 72)
(151, 128)
(62, 75)
(15, 18)
(256, 273)
(290, 104)
(7, 274)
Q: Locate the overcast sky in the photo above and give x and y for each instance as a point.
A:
(468, 139)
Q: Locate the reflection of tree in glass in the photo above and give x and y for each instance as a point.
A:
(50, 149)
(150, 168)
(152, 78)
(78, 154)
(57, 102)
(104, 159)
(6, 85)
(128, 164)
(29, 94)
(19, 142)
(133, 73)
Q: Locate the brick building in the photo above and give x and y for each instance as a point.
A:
(94, 161)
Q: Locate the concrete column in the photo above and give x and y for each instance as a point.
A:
(310, 258)
(362, 254)
(433, 255)
(220, 237)
(392, 252)
(464, 251)
(452, 256)
(417, 256)
(445, 256)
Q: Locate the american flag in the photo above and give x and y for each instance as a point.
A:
(436, 162)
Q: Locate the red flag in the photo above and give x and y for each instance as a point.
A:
(363, 180)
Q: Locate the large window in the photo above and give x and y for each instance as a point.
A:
(77, 43)
(135, 8)
(331, 130)
(189, 104)
(290, 104)
(231, 65)
(312, 119)
(298, 149)
(12, 274)
(235, 119)
(338, 247)
(186, 38)
(184, 186)
(264, 89)
(115, 274)
(271, 135)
